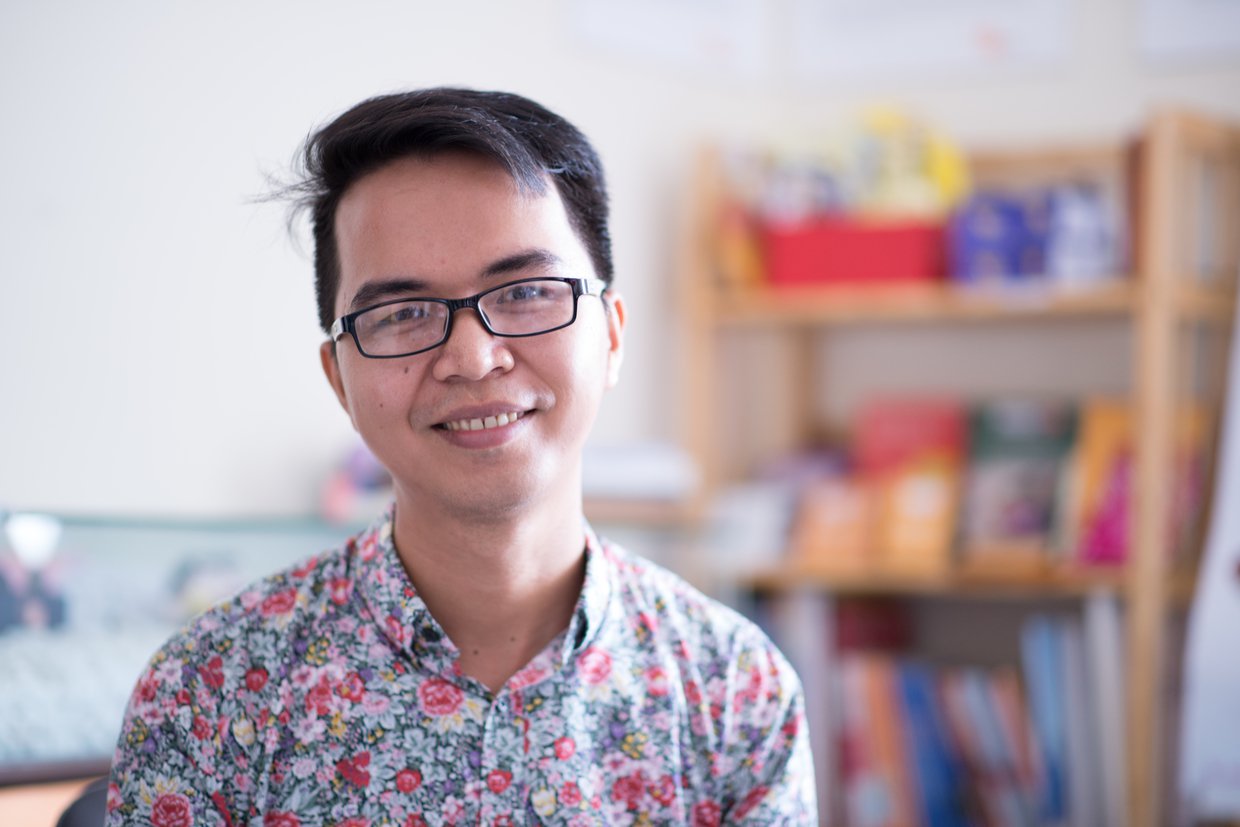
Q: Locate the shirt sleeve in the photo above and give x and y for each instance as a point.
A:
(176, 746)
(767, 753)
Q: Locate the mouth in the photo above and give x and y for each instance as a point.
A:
(484, 423)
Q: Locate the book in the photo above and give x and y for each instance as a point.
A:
(911, 452)
(834, 526)
(1084, 774)
(991, 744)
(1018, 451)
(1102, 471)
(940, 780)
(1042, 659)
(877, 789)
(1104, 647)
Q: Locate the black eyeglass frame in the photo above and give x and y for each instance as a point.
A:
(348, 322)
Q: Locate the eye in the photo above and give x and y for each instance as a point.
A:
(528, 291)
(400, 314)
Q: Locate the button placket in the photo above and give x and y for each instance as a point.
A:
(501, 762)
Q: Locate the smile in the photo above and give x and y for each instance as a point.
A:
(483, 424)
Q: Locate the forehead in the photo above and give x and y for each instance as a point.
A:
(443, 220)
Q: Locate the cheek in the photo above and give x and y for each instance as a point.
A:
(378, 395)
(585, 378)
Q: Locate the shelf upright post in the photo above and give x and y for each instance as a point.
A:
(1156, 323)
(697, 333)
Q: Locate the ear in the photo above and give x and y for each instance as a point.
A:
(616, 318)
(331, 369)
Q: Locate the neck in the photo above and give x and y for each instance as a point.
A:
(501, 586)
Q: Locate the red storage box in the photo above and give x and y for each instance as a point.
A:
(853, 251)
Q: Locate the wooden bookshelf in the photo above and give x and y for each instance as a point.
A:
(1167, 294)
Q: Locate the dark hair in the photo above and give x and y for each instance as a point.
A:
(529, 141)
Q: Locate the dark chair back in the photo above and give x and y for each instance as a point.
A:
(89, 808)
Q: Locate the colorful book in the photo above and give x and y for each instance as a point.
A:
(877, 789)
(834, 526)
(1018, 451)
(911, 452)
(1102, 469)
(1042, 658)
(940, 780)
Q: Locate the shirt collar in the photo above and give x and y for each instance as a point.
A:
(402, 616)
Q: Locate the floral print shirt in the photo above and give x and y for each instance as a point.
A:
(328, 695)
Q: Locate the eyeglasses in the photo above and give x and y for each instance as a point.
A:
(528, 307)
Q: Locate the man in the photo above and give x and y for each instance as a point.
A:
(477, 656)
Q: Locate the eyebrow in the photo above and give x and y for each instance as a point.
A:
(526, 259)
(375, 292)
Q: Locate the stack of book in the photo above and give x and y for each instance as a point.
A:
(1011, 484)
(1043, 744)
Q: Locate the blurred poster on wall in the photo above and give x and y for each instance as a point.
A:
(1189, 29)
(1210, 739)
(898, 37)
(727, 36)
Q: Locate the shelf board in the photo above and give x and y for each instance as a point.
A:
(757, 306)
(1207, 303)
(1048, 581)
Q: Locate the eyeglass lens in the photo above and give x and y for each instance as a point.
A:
(524, 308)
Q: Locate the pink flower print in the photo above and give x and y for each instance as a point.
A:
(351, 688)
(281, 820)
(340, 588)
(630, 789)
(656, 681)
(396, 631)
(439, 697)
(279, 603)
(528, 676)
(375, 704)
(353, 769)
(255, 679)
(570, 794)
(213, 673)
(354, 822)
(453, 809)
(648, 621)
(706, 814)
(663, 790)
(752, 800)
(594, 665)
(408, 780)
(171, 810)
(319, 698)
(415, 820)
(305, 568)
(114, 797)
(148, 688)
(565, 747)
(498, 781)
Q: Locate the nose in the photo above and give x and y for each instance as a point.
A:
(471, 351)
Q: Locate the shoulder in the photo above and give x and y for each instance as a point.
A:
(237, 644)
(670, 614)
(293, 599)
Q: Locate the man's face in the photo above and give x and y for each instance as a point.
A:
(448, 227)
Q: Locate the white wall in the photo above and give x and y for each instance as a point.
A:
(160, 327)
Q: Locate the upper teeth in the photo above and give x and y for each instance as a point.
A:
(482, 424)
